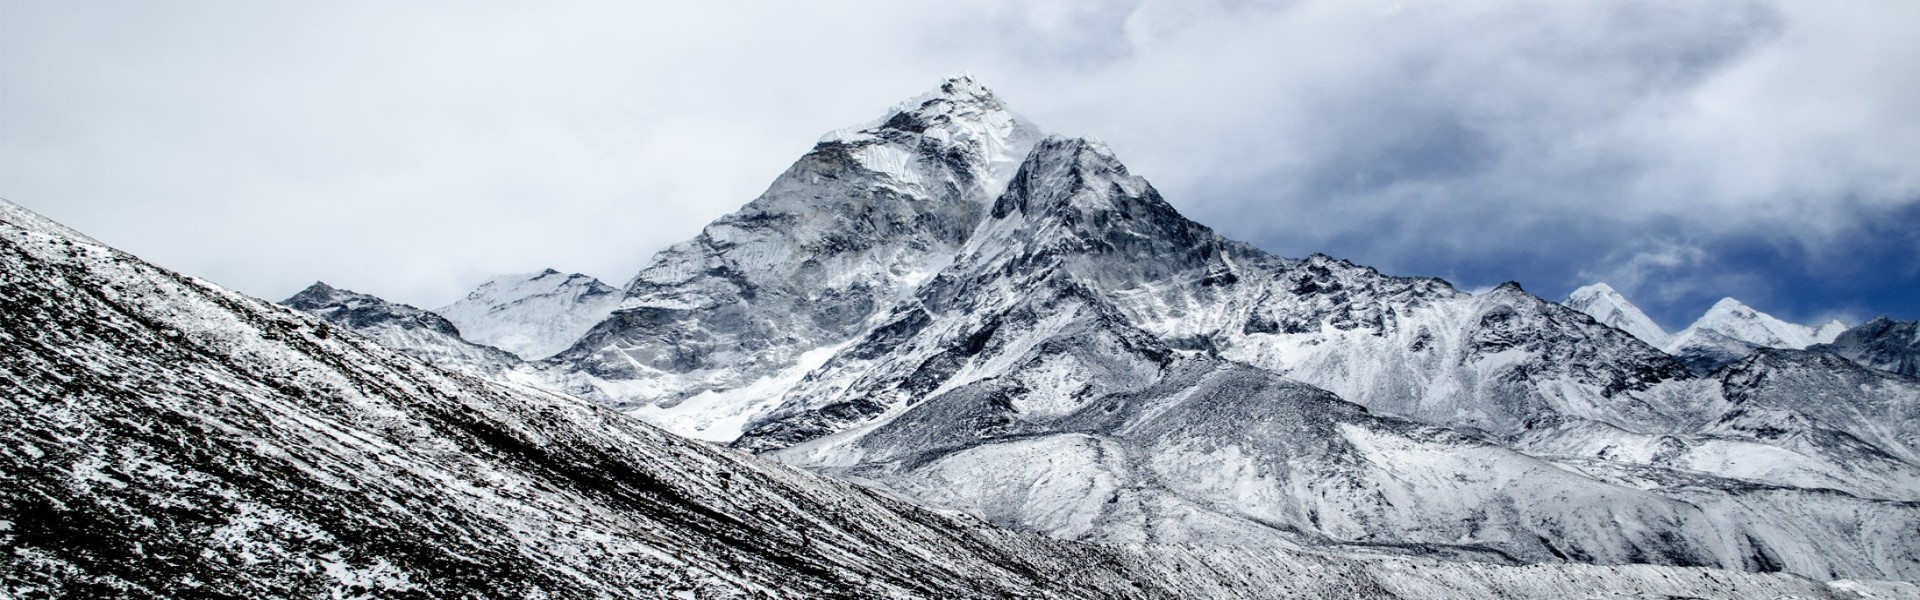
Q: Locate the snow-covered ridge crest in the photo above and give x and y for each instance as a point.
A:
(413, 331)
(960, 113)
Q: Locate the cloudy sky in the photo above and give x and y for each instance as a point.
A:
(1681, 151)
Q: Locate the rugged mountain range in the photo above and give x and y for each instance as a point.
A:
(1020, 385)
(1731, 331)
(171, 439)
(945, 305)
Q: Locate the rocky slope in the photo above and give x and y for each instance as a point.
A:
(172, 439)
(415, 332)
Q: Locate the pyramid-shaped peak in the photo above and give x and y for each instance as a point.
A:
(963, 85)
(1728, 305)
(959, 107)
(318, 294)
(1598, 288)
(1072, 172)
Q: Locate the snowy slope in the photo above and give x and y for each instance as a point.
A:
(415, 332)
(1609, 307)
(533, 315)
(172, 439)
(1882, 343)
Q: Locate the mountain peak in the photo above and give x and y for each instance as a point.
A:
(958, 118)
(1737, 321)
(359, 311)
(1730, 306)
(319, 294)
(963, 86)
(1069, 172)
(533, 315)
(958, 98)
(1611, 308)
(1597, 288)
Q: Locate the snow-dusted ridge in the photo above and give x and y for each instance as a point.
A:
(169, 438)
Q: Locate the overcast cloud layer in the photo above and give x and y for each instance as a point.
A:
(1681, 151)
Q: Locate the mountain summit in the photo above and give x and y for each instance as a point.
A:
(1600, 301)
(1731, 330)
(757, 299)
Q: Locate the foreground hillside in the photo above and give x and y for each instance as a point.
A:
(169, 438)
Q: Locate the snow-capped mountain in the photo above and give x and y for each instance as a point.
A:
(1741, 322)
(1609, 307)
(1070, 355)
(1731, 330)
(168, 438)
(419, 333)
(713, 325)
(1022, 384)
(1882, 343)
(533, 315)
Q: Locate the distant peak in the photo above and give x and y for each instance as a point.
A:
(1509, 286)
(1728, 304)
(1597, 288)
(320, 294)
